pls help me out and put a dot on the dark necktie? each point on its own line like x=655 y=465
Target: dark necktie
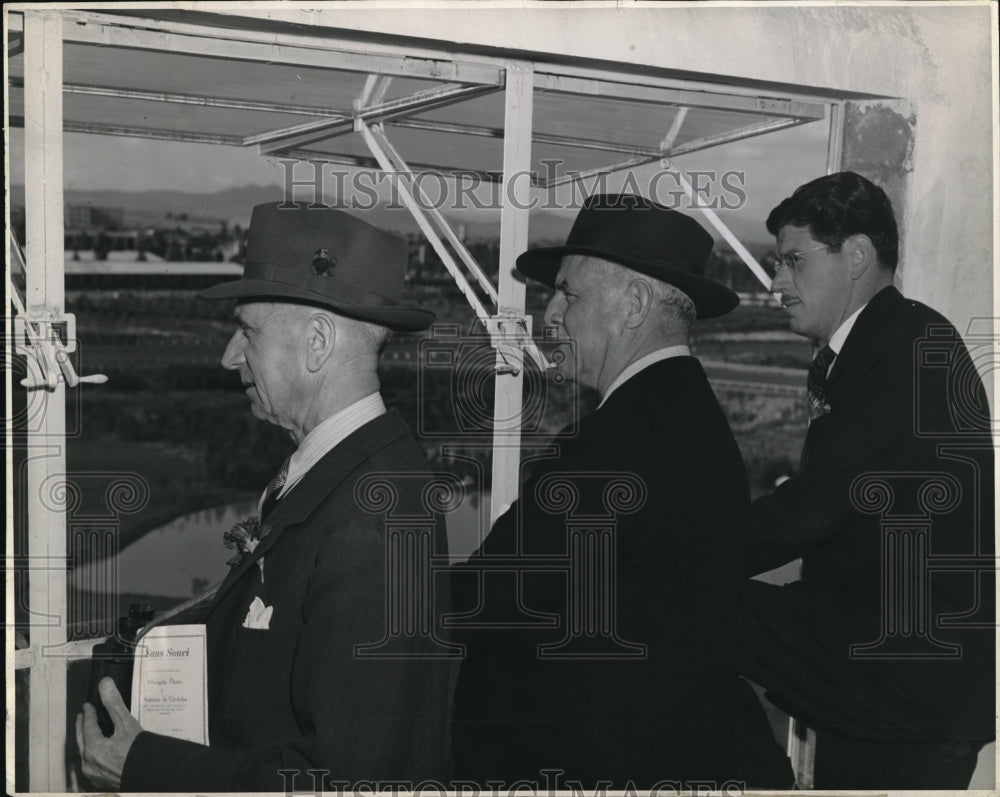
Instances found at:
x=270 y=495
x=816 y=382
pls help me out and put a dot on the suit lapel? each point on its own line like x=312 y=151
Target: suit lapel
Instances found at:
x=870 y=320
x=319 y=483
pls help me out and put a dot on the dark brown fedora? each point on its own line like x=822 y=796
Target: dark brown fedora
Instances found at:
x=328 y=258
x=645 y=237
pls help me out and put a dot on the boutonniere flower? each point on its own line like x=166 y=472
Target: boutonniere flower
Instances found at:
x=818 y=411
x=817 y=405
x=244 y=538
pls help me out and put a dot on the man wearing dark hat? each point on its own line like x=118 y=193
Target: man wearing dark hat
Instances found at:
x=886 y=646
x=290 y=691
x=599 y=613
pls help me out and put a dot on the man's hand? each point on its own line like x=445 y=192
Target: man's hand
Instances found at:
x=104 y=756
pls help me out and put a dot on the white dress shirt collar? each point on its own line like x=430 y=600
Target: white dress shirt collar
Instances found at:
x=330 y=433
x=837 y=338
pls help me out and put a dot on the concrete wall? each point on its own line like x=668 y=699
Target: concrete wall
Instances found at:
x=935 y=58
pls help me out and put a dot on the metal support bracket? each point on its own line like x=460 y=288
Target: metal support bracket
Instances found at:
x=49 y=341
x=510 y=335
x=49 y=338
x=742 y=252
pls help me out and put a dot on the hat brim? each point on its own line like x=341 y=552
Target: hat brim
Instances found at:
x=395 y=317
x=711 y=299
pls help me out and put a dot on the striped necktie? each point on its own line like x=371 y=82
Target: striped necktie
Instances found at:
x=816 y=382
x=270 y=495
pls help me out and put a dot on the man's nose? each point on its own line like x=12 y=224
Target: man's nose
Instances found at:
x=233 y=355
x=553 y=311
x=781 y=281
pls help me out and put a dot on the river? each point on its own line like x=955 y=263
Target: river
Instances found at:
x=184 y=556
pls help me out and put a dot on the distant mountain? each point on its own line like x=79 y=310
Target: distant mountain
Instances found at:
x=231 y=204
x=234 y=205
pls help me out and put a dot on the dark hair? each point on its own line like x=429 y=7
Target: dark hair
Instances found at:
x=837 y=206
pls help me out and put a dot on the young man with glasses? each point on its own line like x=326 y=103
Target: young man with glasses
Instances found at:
x=886 y=645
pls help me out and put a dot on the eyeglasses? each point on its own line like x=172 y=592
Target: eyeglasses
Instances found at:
x=792 y=260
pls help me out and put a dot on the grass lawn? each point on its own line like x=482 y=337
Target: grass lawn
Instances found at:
x=176 y=479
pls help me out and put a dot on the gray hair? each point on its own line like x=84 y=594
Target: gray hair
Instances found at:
x=673 y=306
x=364 y=335
x=674 y=302
x=371 y=337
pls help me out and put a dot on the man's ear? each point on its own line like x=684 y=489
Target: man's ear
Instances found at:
x=638 y=301
x=321 y=335
x=861 y=255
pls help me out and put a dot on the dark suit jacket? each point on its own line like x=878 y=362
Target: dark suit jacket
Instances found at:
x=676 y=713
x=296 y=696
x=906 y=403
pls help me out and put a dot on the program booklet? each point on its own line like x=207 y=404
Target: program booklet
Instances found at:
x=170 y=682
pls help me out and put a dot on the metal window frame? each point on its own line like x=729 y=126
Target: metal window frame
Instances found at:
x=42 y=33
x=46 y=452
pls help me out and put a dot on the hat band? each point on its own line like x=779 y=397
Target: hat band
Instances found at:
x=329 y=287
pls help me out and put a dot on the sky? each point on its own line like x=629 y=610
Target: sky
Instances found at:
x=762 y=171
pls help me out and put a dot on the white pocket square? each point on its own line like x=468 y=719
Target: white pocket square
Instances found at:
x=258 y=615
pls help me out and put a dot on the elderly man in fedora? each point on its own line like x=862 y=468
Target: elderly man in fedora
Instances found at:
x=288 y=693
x=631 y=684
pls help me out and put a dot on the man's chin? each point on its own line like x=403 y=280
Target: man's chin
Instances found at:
x=799 y=328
